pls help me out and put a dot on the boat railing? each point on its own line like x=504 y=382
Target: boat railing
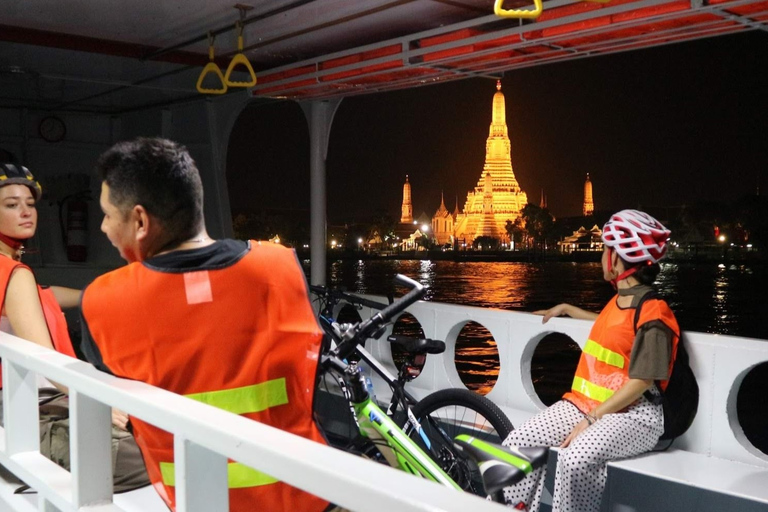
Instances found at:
x=205 y=438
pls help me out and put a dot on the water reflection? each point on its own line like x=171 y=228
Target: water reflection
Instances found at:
x=477 y=358
x=705 y=297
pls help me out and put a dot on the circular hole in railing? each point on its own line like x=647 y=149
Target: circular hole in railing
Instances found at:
x=552 y=366
x=349 y=315
x=407 y=325
x=751 y=415
x=477 y=358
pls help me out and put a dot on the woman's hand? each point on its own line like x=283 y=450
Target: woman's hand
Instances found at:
x=578 y=429
x=559 y=310
x=119 y=419
x=565 y=310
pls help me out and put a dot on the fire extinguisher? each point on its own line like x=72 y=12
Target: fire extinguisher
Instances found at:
x=75 y=229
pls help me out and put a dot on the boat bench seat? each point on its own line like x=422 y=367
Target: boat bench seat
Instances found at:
x=683 y=481
x=140 y=500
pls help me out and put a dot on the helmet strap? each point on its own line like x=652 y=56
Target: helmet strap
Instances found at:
x=616 y=280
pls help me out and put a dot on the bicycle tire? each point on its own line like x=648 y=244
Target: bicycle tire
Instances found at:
x=447 y=413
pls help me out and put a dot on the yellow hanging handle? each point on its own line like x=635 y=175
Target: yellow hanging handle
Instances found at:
x=518 y=13
x=211 y=68
x=240 y=59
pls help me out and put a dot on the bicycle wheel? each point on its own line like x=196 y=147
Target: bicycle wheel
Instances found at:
x=447 y=413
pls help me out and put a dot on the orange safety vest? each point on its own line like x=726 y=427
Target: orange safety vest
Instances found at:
x=604 y=364
x=54 y=316
x=242 y=338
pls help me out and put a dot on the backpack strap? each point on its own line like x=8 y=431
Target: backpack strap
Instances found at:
x=650 y=295
x=654 y=399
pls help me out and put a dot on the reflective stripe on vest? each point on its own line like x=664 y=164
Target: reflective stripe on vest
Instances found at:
x=591 y=390
x=603 y=354
x=247 y=399
x=244 y=400
x=238 y=475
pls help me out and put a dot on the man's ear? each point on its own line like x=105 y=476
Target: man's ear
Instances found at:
x=141 y=221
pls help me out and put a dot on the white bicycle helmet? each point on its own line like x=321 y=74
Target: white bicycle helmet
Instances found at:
x=636 y=236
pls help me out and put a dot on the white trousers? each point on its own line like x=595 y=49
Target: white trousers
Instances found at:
x=581 y=467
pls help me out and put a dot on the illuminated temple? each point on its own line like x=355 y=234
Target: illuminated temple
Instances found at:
x=497 y=197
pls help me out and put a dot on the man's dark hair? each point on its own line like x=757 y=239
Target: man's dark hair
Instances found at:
x=159 y=175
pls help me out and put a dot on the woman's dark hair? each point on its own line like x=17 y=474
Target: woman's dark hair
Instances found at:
x=646 y=273
x=159 y=175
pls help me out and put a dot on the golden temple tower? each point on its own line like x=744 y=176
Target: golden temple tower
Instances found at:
x=497 y=197
x=589 y=206
x=407 y=209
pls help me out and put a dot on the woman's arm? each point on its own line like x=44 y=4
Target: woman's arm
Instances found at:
x=22 y=306
x=565 y=310
x=66 y=297
x=25 y=313
x=624 y=396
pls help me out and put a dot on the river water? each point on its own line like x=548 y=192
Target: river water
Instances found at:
x=707 y=297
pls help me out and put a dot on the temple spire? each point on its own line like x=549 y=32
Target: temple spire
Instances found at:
x=589 y=205
x=407 y=209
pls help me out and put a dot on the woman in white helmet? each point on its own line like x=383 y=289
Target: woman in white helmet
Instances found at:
x=605 y=416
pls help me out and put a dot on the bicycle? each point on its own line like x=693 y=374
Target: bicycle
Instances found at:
x=430 y=424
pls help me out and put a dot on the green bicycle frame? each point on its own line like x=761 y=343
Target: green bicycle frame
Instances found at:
x=397 y=448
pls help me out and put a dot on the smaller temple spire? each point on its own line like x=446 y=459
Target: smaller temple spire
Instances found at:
x=589 y=205
x=543 y=202
x=407 y=208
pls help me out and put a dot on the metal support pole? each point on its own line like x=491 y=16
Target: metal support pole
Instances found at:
x=320 y=116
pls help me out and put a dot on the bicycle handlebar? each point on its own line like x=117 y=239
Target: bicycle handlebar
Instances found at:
x=347 y=297
x=360 y=332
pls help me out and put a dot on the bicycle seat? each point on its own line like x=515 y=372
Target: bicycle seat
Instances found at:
x=416 y=345
x=501 y=466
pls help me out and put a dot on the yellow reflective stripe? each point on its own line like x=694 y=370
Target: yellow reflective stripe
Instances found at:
x=603 y=354
x=238 y=475
x=247 y=399
x=591 y=390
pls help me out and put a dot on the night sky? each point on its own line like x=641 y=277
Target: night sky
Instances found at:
x=663 y=126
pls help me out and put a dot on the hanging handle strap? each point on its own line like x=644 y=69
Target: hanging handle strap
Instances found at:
x=519 y=13
x=240 y=60
x=211 y=69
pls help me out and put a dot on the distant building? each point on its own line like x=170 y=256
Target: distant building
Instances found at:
x=589 y=206
x=496 y=199
x=582 y=240
x=443 y=224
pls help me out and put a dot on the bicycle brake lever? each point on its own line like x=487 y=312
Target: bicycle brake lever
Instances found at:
x=379 y=332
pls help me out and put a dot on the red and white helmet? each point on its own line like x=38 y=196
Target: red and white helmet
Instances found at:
x=636 y=236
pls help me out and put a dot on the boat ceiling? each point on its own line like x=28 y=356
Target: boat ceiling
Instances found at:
x=115 y=56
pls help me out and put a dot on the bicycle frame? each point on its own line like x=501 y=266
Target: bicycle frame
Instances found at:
x=399 y=450
x=395 y=446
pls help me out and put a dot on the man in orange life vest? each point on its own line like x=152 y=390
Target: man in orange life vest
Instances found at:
x=200 y=317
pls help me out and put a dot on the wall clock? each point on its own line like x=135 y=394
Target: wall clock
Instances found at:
x=52 y=129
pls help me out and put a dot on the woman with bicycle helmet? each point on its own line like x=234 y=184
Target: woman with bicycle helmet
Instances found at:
x=606 y=416
x=22 y=313
x=33 y=313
